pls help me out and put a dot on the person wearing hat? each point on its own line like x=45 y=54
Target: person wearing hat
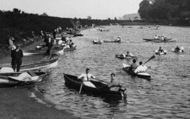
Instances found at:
x=17 y=56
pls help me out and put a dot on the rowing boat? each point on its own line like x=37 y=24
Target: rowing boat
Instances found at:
x=144 y=75
x=178 y=51
x=67 y=49
x=123 y=56
x=21 y=78
x=159 y=40
x=97 y=42
x=33 y=66
x=157 y=52
x=93 y=87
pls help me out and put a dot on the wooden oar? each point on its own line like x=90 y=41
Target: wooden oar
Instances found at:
x=150 y=59
x=80 y=87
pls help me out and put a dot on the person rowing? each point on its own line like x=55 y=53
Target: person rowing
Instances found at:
x=86 y=76
x=177 y=49
x=160 y=49
x=133 y=65
x=128 y=54
x=118 y=39
x=140 y=68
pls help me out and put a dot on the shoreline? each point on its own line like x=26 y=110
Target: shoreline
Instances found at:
x=17 y=102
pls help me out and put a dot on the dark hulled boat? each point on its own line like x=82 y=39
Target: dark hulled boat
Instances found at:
x=95 y=88
x=113 y=41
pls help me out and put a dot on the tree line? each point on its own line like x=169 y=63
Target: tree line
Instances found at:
x=174 y=12
x=24 y=25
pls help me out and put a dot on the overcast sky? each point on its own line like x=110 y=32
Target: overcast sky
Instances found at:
x=101 y=9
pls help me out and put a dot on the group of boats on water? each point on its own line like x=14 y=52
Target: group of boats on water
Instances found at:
x=32 y=73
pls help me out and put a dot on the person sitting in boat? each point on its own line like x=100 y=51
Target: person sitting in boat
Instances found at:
x=177 y=49
x=71 y=44
x=113 y=82
x=156 y=37
x=133 y=65
x=129 y=54
x=140 y=68
x=118 y=39
x=86 y=76
x=160 y=49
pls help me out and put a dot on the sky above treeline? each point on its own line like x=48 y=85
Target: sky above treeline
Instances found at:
x=97 y=9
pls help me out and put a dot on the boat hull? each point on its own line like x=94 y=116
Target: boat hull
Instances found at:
x=7 y=80
x=140 y=75
x=70 y=49
x=100 y=89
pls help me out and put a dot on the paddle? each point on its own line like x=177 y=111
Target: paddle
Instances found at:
x=150 y=59
x=80 y=87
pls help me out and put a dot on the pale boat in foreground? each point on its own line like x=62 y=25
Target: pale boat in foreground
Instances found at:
x=144 y=75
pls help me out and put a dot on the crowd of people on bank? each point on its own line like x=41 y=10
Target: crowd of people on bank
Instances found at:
x=48 y=38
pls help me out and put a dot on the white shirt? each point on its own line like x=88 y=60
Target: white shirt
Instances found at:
x=86 y=77
x=140 y=68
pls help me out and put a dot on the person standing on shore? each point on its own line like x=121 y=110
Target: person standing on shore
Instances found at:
x=12 y=48
x=49 y=45
x=17 y=56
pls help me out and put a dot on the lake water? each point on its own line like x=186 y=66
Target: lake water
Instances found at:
x=167 y=95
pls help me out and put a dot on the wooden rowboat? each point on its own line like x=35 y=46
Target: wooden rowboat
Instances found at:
x=95 y=88
x=166 y=40
x=97 y=42
x=123 y=56
x=113 y=41
x=143 y=75
x=34 y=66
x=21 y=78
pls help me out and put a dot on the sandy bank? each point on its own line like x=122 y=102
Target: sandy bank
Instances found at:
x=16 y=104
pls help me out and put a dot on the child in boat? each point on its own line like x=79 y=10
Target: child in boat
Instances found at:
x=140 y=68
x=86 y=76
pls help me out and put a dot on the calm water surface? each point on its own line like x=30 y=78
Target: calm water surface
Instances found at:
x=166 y=96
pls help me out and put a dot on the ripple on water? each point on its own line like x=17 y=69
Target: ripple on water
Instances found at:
x=166 y=96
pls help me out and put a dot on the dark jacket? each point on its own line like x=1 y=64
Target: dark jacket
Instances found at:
x=17 y=55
